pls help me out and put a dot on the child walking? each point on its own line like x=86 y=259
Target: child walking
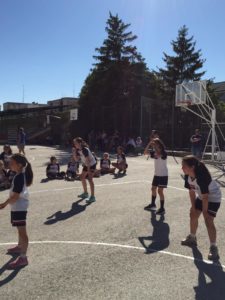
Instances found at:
x=89 y=166
x=205 y=196
x=160 y=179
x=18 y=200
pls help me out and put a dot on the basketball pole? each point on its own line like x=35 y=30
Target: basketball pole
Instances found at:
x=213 y=124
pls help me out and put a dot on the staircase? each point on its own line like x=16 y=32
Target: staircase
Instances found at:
x=12 y=135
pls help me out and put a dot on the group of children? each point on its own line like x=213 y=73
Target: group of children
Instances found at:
x=72 y=172
x=205 y=195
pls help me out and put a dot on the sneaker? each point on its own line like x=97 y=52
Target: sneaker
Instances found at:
x=213 y=253
x=189 y=241
x=91 y=199
x=14 y=250
x=160 y=211
x=83 y=195
x=18 y=263
x=150 y=207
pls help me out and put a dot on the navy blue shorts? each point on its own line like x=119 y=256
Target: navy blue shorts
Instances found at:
x=92 y=168
x=212 y=207
x=18 y=218
x=160 y=181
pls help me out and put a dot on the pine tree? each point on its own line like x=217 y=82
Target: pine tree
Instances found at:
x=111 y=95
x=116 y=47
x=187 y=62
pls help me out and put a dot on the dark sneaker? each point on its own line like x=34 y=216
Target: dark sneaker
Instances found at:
x=150 y=207
x=189 y=241
x=213 y=253
x=91 y=199
x=83 y=195
x=160 y=211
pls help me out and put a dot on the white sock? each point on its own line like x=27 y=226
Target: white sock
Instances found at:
x=192 y=235
x=213 y=244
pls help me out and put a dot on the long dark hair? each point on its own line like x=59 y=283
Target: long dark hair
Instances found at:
x=199 y=167
x=81 y=142
x=21 y=159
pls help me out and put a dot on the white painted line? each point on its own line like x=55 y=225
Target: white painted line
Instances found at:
x=119 y=246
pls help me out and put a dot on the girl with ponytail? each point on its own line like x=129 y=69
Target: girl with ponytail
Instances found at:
x=18 y=200
x=205 y=196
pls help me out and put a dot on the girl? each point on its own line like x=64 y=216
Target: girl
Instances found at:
x=160 y=178
x=105 y=164
x=53 y=169
x=4 y=182
x=121 y=163
x=72 y=169
x=205 y=196
x=18 y=200
x=89 y=166
x=6 y=155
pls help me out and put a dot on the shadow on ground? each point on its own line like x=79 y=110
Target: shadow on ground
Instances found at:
x=211 y=279
x=76 y=208
x=159 y=239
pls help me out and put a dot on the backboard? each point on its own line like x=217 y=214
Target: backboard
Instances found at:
x=191 y=93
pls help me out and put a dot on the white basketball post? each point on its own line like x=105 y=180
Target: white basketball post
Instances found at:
x=190 y=94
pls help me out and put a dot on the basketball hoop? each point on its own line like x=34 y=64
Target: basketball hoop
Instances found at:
x=183 y=104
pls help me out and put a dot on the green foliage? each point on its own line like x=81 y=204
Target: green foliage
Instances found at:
x=110 y=97
x=185 y=65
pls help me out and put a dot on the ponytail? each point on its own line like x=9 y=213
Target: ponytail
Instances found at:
x=20 y=159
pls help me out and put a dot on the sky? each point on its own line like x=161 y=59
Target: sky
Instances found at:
x=47 y=46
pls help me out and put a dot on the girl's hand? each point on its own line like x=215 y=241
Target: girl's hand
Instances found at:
x=3 y=205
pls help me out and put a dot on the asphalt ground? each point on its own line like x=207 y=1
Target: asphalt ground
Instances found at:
x=113 y=248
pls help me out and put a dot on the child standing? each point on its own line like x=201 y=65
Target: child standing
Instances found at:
x=89 y=166
x=160 y=179
x=18 y=200
x=121 y=163
x=205 y=196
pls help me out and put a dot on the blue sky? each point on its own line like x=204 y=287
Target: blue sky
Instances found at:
x=47 y=45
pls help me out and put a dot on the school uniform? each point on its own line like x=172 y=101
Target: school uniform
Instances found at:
x=19 y=208
x=160 y=178
x=53 y=171
x=105 y=163
x=72 y=169
x=85 y=153
x=205 y=185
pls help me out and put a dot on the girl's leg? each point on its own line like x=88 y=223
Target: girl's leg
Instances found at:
x=161 y=197
x=191 y=238
x=83 y=180
x=91 y=182
x=23 y=239
x=209 y=222
x=194 y=216
x=152 y=205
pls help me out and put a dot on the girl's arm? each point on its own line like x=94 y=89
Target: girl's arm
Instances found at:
x=11 y=200
x=147 y=147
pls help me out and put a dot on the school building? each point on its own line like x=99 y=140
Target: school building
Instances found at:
x=43 y=123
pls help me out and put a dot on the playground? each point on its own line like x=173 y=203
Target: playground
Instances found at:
x=113 y=248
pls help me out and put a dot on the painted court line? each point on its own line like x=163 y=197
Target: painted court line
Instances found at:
x=119 y=246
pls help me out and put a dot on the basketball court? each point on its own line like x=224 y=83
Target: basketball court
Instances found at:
x=113 y=248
